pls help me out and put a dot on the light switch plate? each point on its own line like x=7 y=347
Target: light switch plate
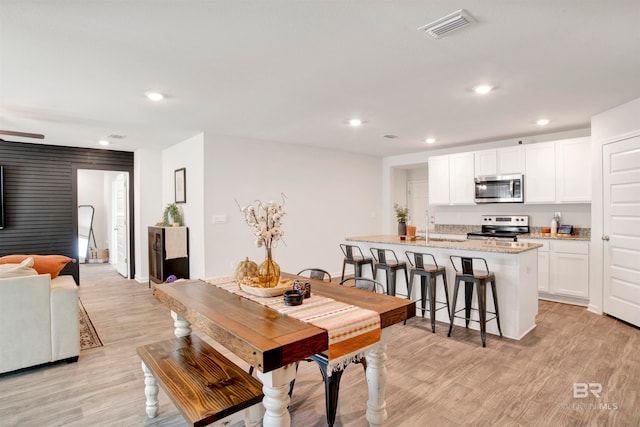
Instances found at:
x=219 y=219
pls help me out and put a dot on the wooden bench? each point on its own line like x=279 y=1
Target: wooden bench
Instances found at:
x=203 y=384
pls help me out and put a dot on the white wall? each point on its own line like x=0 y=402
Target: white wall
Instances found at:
x=399 y=179
x=188 y=154
x=147 y=204
x=331 y=195
x=617 y=123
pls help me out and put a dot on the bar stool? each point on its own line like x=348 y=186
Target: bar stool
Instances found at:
x=470 y=277
x=383 y=262
x=428 y=274
x=353 y=255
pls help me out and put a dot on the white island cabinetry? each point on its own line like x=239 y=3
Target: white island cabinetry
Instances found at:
x=514 y=263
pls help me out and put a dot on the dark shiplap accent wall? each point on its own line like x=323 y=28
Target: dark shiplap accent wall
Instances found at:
x=41 y=215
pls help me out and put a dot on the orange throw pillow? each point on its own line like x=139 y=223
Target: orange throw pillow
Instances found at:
x=43 y=264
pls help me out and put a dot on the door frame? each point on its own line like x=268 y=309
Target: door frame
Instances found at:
x=127 y=221
x=596 y=248
x=620 y=144
x=74 y=196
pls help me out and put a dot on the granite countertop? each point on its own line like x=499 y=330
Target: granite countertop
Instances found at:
x=549 y=236
x=467 y=245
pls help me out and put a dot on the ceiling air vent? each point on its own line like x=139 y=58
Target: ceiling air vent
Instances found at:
x=445 y=25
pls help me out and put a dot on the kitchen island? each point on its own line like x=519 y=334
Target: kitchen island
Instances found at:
x=515 y=265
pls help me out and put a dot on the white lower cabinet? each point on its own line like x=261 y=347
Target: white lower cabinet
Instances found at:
x=563 y=270
x=569 y=268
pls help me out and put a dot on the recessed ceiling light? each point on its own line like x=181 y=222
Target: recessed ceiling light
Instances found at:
x=389 y=136
x=155 y=96
x=482 y=89
x=430 y=140
x=103 y=142
x=543 y=122
x=355 y=122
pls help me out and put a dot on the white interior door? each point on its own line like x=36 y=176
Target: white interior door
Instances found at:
x=121 y=222
x=621 y=229
x=418 y=203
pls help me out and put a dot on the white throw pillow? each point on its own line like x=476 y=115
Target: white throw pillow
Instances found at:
x=18 y=270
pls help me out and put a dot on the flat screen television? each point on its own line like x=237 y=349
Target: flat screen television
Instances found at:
x=1 y=197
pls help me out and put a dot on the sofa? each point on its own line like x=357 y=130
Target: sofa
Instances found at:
x=38 y=317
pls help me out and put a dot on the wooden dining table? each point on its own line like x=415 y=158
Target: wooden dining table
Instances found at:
x=272 y=342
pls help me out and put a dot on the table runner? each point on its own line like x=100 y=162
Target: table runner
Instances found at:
x=351 y=329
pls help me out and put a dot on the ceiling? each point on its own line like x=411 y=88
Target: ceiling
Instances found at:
x=296 y=71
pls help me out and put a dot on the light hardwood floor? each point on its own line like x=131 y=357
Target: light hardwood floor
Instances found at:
x=432 y=380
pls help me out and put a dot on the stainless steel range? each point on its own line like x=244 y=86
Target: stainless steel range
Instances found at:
x=501 y=227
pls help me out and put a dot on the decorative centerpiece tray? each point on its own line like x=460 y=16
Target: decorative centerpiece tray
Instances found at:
x=283 y=285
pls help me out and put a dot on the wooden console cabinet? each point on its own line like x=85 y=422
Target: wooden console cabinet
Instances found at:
x=160 y=268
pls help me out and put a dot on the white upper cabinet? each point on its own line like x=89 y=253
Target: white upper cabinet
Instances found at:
x=439 y=180
x=573 y=171
x=461 y=174
x=558 y=172
x=554 y=172
x=501 y=161
x=540 y=173
x=451 y=179
x=486 y=162
x=510 y=160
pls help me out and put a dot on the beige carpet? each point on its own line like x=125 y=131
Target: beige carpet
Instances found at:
x=88 y=336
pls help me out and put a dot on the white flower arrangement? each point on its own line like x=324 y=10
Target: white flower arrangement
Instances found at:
x=266 y=221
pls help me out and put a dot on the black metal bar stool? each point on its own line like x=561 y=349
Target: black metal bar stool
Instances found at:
x=428 y=274
x=470 y=277
x=387 y=260
x=353 y=255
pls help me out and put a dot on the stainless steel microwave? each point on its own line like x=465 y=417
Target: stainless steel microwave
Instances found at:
x=500 y=189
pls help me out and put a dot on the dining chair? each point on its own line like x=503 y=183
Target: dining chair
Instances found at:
x=363 y=283
x=332 y=382
x=312 y=273
x=315 y=273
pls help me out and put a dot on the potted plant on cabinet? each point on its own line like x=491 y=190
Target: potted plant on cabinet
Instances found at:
x=172 y=216
x=402 y=213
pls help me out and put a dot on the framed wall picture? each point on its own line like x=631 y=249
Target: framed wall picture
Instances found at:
x=180 y=179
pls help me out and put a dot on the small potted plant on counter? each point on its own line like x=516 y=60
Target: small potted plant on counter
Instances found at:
x=402 y=213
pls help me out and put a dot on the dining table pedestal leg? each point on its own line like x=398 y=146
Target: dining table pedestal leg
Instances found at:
x=377 y=380
x=275 y=386
x=182 y=327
